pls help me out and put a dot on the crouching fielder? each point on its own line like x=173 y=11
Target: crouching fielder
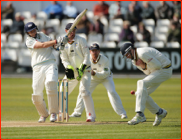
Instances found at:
x=45 y=71
x=158 y=68
x=76 y=60
x=101 y=74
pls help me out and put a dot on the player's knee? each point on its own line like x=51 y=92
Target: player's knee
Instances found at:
x=51 y=87
x=85 y=93
x=141 y=87
x=141 y=84
x=36 y=90
x=144 y=82
x=37 y=99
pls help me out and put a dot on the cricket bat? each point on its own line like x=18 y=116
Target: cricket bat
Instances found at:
x=76 y=21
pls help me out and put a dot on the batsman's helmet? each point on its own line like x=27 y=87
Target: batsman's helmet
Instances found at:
x=125 y=48
x=30 y=26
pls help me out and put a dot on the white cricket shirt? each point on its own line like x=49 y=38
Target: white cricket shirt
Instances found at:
x=76 y=53
x=39 y=55
x=101 y=67
x=154 y=59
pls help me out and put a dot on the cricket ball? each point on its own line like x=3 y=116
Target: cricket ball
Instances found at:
x=132 y=92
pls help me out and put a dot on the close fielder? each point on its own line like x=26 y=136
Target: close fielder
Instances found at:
x=101 y=73
x=45 y=71
x=158 y=68
x=76 y=60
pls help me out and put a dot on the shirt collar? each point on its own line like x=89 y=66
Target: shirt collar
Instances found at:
x=72 y=40
x=97 y=60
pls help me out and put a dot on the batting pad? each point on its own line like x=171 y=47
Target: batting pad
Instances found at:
x=53 y=103
x=40 y=105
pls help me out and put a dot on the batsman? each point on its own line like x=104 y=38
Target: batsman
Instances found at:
x=45 y=71
x=75 y=57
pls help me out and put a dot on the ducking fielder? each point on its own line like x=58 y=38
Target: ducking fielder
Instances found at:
x=76 y=60
x=158 y=68
x=101 y=73
x=45 y=71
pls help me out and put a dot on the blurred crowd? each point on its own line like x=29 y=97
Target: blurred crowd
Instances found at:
x=133 y=28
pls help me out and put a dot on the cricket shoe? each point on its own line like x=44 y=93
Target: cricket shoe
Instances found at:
x=90 y=119
x=158 y=118
x=124 y=116
x=53 y=117
x=42 y=119
x=75 y=114
x=137 y=119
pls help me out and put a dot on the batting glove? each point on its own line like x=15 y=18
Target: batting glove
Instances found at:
x=61 y=41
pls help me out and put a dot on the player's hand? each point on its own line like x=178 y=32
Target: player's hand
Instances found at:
x=69 y=71
x=81 y=71
x=93 y=73
x=80 y=74
x=61 y=41
x=140 y=63
x=56 y=47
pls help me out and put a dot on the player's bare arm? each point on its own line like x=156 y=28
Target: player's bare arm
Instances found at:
x=45 y=44
x=142 y=64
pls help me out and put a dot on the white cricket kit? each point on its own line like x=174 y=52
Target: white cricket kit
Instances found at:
x=45 y=72
x=103 y=75
x=158 y=70
x=76 y=54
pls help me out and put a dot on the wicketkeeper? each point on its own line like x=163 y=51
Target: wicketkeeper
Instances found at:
x=76 y=60
x=158 y=68
x=101 y=73
x=45 y=71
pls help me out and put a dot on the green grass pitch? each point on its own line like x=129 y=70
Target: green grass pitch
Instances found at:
x=17 y=108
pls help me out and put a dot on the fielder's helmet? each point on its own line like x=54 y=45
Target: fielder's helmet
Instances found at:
x=94 y=46
x=126 y=47
x=30 y=26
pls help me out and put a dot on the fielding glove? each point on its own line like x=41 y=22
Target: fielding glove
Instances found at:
x=81 y=71
x=70 y=72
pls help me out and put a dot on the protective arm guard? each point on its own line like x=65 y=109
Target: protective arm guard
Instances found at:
x=69 y=71
x=81 y=71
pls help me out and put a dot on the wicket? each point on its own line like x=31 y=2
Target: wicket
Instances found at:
x=64 y=99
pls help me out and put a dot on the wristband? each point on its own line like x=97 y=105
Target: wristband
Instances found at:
x=55 y=41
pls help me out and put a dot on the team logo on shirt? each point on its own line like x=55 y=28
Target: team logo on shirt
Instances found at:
x=76 y=44
x=30 y=43
x=105 y=69
x=99 y=65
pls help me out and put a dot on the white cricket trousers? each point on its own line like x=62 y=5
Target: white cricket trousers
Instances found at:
x=112 y=94
x=147 y=86
x=84 y=92
x=45 y=74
